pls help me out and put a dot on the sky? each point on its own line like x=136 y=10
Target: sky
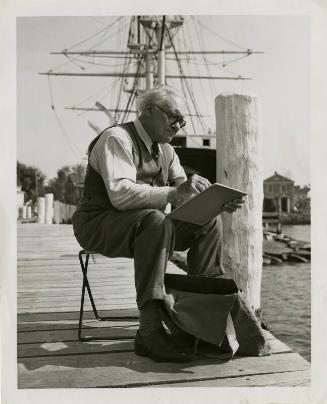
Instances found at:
x=280 y=79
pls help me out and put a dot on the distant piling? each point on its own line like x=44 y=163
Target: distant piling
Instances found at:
x=239 y=165
x=40 y=209
x=48 y=208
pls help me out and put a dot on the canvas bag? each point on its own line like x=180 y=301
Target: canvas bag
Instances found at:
x=215 y=311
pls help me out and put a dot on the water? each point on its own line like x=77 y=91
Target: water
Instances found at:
x=298 y=232
x=286 y=301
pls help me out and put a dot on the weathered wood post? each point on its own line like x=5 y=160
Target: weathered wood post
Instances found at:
x=40 y=209
x=24 y=212
x=56 y=212
x=48 y=208
x=239 y=165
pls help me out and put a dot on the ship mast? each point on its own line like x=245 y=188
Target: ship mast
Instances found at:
x=150 y=42
x=162 y=53
x=159 y=27
x=154 y=28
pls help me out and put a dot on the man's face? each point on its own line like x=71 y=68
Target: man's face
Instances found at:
x=165 y=121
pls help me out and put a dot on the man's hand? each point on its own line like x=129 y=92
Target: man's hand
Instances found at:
x=232 y=206
x=192 y=186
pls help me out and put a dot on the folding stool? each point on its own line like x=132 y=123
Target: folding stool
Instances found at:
x=84 y=266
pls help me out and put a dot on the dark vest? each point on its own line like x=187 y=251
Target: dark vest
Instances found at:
x=95 y=196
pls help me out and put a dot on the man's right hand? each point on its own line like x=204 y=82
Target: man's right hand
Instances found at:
x=192 y=186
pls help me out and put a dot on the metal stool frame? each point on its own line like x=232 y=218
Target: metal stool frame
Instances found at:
x=84 y=267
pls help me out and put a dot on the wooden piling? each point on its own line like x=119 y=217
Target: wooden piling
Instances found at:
x=48 y=208
x=239 y=165
x=41 y=209
x=62 y=212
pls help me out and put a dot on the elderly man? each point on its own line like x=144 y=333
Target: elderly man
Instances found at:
x=132 y=173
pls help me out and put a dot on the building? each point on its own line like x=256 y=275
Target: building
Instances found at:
x=278 y=194
x=302 y=202
x=282 y=195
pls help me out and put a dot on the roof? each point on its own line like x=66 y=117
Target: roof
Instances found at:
x=278 y=178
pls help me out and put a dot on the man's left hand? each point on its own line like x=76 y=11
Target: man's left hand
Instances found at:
x=232 y=206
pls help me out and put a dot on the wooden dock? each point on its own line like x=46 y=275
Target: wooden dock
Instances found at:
x=50 y=356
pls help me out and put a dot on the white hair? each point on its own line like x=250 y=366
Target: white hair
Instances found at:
x=163 y=96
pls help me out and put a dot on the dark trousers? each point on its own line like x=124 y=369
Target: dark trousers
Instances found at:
x=149 y=237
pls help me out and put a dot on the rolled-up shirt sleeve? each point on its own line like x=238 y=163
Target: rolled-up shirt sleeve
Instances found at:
x=176 y=173
x=112 y=158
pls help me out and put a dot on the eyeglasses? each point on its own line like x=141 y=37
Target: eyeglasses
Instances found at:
x=173 y=119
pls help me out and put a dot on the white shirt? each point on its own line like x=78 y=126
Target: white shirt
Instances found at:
x=112 y=158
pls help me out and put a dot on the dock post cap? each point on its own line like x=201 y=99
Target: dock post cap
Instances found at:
x=238 y=93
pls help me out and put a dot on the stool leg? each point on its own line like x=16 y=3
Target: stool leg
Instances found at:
x=83 y=295
x=84 y=267
x=86 y=283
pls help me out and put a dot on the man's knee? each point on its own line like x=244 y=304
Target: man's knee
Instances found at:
x=156 y=219
x=215 y=226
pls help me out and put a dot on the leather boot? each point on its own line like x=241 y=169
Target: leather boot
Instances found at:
x=159 y=347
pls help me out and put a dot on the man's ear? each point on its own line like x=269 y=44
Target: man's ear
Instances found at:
x=148 y=110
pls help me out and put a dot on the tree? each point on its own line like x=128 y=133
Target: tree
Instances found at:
x=66 y=187
x=32 y=181
x=74 y=184
x=59 y=183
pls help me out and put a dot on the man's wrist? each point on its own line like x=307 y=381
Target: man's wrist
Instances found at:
x=172 y=195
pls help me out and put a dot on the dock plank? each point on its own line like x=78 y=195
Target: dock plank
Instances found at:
x=71 y=324
x=72 y=347
x=65 y=335
x=299 y=378
x=24 y=318
x=125 y=369
x=52 y=309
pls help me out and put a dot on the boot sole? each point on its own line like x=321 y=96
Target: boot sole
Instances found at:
x=140 y=350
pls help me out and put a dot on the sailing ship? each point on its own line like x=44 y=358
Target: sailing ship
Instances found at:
x=158 y=51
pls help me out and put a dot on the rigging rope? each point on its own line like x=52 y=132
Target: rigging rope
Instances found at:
x=71 y=145
x=108 y=37
x=72 y=59
x=221 y=37
x=51 y=93
x=103 y=64
x=183 y=89
x=185 y=81
x=121 y=89
x=201 y=85
x=127 y=64
x=94 y=35
x=213 y=91
x=106 y=89
x=132 y=95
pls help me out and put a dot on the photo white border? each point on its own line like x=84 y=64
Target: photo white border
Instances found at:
x=9 y=10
